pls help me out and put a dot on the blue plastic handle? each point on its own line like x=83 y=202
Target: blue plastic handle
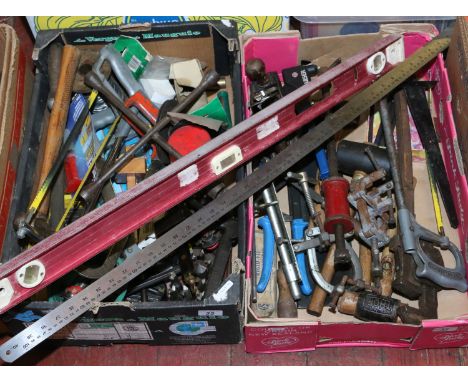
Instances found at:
x=268 y=253
x=321 y=158
x=297 y=229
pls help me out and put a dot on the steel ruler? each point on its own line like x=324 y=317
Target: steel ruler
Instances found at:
x=78 y=242
x=225 y=202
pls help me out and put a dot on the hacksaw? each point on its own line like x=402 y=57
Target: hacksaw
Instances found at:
x=225 y=202
x=88 y=236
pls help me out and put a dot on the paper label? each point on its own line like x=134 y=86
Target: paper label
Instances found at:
x=395 y=52
x=210 y=313
x=133 y=331
x=103 y=331
x=222 y=293
x=189 y=175
x=265 y=129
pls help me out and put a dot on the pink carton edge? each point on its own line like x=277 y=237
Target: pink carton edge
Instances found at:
x=432 y=333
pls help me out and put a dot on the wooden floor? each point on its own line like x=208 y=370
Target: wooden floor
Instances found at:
x=47 y=354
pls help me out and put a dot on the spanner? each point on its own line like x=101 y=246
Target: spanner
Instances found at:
x=411 y=232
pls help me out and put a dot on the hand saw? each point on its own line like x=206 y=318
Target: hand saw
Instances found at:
x=225 y=202
x=75 y=244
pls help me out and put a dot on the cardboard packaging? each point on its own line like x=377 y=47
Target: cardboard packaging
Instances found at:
x=216 y=319
x=15 y=90
x=271 y=334
x=457 y=64
x=245 y=24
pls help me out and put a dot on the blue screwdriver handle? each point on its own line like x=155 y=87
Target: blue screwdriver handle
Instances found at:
x=321 y=158
x=297 y=229
x=268 y=253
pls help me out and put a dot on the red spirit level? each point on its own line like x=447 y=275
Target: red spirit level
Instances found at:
x=62 y=252
x=225 y=202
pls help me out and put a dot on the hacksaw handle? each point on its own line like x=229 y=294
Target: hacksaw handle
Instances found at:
x=59 y=113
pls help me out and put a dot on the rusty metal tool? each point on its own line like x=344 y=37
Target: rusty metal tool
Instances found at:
x=200 y=220
x=92 y=79
x=222 y=256
x=417 y=102
x=412 y=233
x=405 y=281
x=209 y=163
x=374 y=212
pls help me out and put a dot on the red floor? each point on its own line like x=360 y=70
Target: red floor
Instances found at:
x=235 y=355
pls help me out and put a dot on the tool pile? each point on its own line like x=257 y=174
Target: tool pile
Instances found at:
x=353 y=194
x=143 y=113
x=136 y=198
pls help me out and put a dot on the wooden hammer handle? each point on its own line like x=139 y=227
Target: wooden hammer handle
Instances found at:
x=59 y=113
x=365 y=258
x=319 y=295
x=286 y=305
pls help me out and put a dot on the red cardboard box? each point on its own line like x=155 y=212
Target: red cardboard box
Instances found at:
x=269 y=335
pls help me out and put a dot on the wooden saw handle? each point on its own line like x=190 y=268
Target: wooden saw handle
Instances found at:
x=58 y=115
x=319 y=295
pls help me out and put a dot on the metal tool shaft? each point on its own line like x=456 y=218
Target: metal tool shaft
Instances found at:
x=93 y=80
x=283 y=241
x=390 y=143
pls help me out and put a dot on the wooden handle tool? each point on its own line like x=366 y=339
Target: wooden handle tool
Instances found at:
x=319 y=295
x=286 y=305
x=59 y=113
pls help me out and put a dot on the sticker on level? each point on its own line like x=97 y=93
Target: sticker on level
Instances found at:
x=265 y=129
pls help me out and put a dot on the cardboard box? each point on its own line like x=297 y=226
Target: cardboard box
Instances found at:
x=212 y=320
x=269 y=335
x=322 y=26
x=245 y=24
x=457 y=64
x=15 y=90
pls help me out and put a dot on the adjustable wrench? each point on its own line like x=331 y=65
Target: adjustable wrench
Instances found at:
x=411 y=232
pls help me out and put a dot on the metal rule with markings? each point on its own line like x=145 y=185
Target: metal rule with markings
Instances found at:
x=225 y=202
x=97 y=230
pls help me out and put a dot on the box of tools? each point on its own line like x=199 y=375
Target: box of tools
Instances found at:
x=15 y=92
x=328 y=262
x=194 y=295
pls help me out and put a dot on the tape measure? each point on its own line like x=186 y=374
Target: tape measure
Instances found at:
x=224 y=203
